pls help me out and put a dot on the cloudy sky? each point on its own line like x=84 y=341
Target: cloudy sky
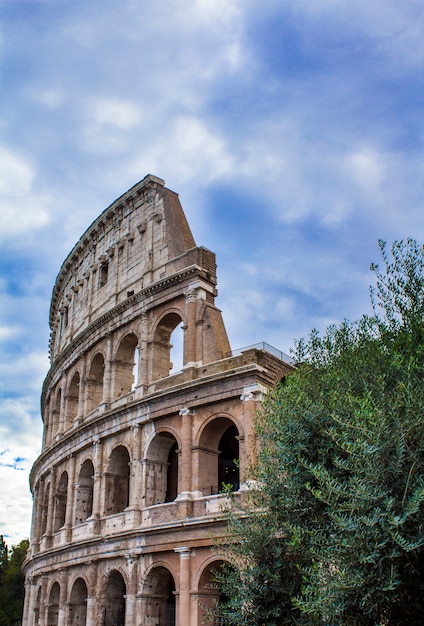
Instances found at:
x=291 y=129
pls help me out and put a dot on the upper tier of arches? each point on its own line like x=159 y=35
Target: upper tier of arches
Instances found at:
x=130 y=358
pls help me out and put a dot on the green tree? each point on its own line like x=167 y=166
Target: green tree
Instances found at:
x=12 y=584
x=4 y=554
x=333 y=529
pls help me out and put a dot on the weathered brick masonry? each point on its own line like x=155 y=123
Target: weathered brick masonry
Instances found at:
x=126 y=489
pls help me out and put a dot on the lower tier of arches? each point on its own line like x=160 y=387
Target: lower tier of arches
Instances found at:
x=172 y=588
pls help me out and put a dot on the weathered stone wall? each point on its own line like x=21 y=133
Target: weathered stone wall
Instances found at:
x=126 y=489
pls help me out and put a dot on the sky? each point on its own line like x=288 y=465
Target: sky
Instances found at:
x=292 y=130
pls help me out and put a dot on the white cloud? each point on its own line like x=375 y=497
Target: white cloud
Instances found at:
x=25 y=372
x=366 y=167
x=21 y=210
x=50 y=97
x=17 y=455
x=20 y=437
x=16 y=174
x=190 y=149
x=113 y=112
x=9 y=332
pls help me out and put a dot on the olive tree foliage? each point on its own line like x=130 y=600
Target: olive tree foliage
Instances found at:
x=332 y=529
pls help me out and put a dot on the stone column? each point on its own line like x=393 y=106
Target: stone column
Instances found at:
x=70 y=498
x=136 y=470
x=42 y=619
x=31 y=589
x=50 y=506
x=62 y=411
x=199 y=339
x=190 y=327
x=143 y=354
x=81 y=398
x=185 y=486
x=130 y=598
x=91 y=612
x=184 y=605
x=142 y=603
x=252 y=394
x=107 y=376
x=92 y=595
x=35 y=520
x=47 y=424
x=92 y=281
x=63 y=600
x=98 y=478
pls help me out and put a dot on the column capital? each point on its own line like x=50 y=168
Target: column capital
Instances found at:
x=186 y=411
x=183 y=551
x=253 y=392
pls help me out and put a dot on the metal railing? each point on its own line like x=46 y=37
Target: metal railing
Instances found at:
x=267 y=348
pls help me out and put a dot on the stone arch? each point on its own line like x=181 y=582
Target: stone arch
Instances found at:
x=95 y=381
x=84 y=492
x=161 y=469
x=118 y=481
x=158 y=593
x=162 y=346
x=218 y=456
x=112 y=600
x=78 y=603
x=72 y=399
x=60 y=502
x=53 y=605
x=124 y=364
x=209 y=593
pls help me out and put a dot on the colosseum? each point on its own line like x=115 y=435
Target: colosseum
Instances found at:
x=147 y=413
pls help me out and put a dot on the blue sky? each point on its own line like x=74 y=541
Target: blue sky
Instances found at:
x=292 y=130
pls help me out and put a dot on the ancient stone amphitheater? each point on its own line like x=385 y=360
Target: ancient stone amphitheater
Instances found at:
x=135 y=448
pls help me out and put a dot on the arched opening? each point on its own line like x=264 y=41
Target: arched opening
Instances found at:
x=103 y=273
x=53 y=606
x=78 y=603
x=95 y=382
x=45 y=510
x=113 y=601
x=159 y=594
x=124 y=366
x=72 y=399
x=172 y=474
x=60 y=502
x=161 y=357
x=210 y=595
x=177 y=349
x=118 y=481
x=161 y=470
x=218 y=457
x=228 y=460
x=135 y=368
x=84 y=492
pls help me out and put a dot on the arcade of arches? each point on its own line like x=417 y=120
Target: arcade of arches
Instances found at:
x=148 y=418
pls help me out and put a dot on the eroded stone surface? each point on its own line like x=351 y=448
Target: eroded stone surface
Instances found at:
x=126 y=489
